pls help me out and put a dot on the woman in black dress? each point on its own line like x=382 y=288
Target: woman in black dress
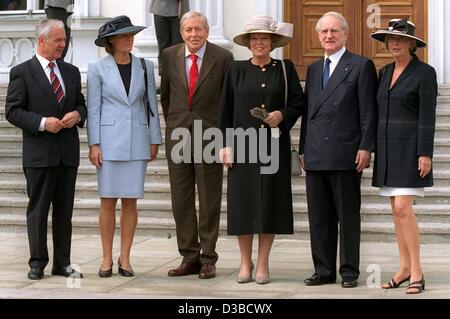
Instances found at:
x=403 y=161
x=260 y=203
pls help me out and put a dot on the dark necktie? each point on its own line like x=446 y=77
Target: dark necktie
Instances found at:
x=56 y=84
x=326 y=73
x=193 y=76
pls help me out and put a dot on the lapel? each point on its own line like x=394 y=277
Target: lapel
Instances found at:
x=180 y=63
x=340 y=73
x=209 y=60
x=386 y=77
x=114 y=77
x=67 y=81
x=41 y=79
x=406 y=73
x=137 y=77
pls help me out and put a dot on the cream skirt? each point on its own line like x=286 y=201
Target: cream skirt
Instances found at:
x=398 y=191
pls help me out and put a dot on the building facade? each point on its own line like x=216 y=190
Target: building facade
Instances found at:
x=226 y=19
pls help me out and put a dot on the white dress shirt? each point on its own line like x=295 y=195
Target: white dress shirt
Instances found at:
x=44 y=63
x=335 y=58
x=200 y=54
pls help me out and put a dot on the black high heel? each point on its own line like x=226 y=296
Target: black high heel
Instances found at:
x=105 y=273
x=419 y=285
x=393 y=284
x=124 y=272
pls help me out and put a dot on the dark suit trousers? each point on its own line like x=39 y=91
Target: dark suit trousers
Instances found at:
x=167 y=31
x=45 y=186
x=334 y=199
x=183 y=178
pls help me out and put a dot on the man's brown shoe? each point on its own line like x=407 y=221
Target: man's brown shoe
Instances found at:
x=185 y=269
x=207 y=271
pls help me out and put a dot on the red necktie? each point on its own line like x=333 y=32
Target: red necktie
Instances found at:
x=56 y=85
x=193 y=76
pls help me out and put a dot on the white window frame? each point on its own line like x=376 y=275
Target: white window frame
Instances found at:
x=32 y=7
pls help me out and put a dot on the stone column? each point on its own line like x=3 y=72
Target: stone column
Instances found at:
x=439 y=39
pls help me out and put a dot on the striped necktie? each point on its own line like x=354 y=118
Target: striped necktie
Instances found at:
x=56 y=84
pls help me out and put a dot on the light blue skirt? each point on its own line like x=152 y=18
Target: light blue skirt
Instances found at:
x=121 y=179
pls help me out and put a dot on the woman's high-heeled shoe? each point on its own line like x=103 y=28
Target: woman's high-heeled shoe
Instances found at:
x=246 y=279
x=393 y=284
x=105 y=273
x=124 y=272
x=262 y=280
x=416 y=287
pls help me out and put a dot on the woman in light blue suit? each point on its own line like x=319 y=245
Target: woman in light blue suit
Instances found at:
x=123 y=134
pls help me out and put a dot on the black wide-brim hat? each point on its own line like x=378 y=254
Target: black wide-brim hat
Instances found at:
x=115 y=26
x=399 y=27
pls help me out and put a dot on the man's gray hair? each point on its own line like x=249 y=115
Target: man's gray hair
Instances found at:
x=191 y=15
x=337 y=15
x=44 y=27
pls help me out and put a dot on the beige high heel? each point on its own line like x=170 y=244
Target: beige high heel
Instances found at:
x=246 y=279
x=262 y=280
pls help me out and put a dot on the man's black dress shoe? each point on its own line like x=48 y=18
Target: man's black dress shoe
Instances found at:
x=351 y=283
x=36 y=273
x=317 y=280
x=66 y=272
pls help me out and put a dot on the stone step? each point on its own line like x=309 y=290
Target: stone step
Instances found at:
x=161 y=191
x=444 y=89
x=157 y=172
x=443 y=99
x=163 y=187
x=166 y=226
x=442 y=130
x=16 y=204
x=441 y=144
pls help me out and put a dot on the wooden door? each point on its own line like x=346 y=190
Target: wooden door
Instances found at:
x=362 y=16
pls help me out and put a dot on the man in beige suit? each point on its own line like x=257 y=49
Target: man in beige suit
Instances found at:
x=191 y=84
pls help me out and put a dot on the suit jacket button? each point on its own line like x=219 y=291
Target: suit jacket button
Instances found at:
x=263 y=85
x=326 y=138
x=328 y=121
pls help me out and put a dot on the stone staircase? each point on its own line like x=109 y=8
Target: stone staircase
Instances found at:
x=155 y=215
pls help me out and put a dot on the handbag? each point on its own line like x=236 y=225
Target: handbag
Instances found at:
x=296 y=168
x=147 y=109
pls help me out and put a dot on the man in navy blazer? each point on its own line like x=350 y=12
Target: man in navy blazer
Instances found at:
x=44 y=99
x=337 y=138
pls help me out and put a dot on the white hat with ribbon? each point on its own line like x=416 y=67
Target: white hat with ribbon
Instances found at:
x=263 y=24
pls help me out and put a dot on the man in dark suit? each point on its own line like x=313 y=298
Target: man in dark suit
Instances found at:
x=337 y=138
x=44 y=99
x=191 y=84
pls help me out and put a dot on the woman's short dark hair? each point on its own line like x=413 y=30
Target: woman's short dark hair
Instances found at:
x=109 y=48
